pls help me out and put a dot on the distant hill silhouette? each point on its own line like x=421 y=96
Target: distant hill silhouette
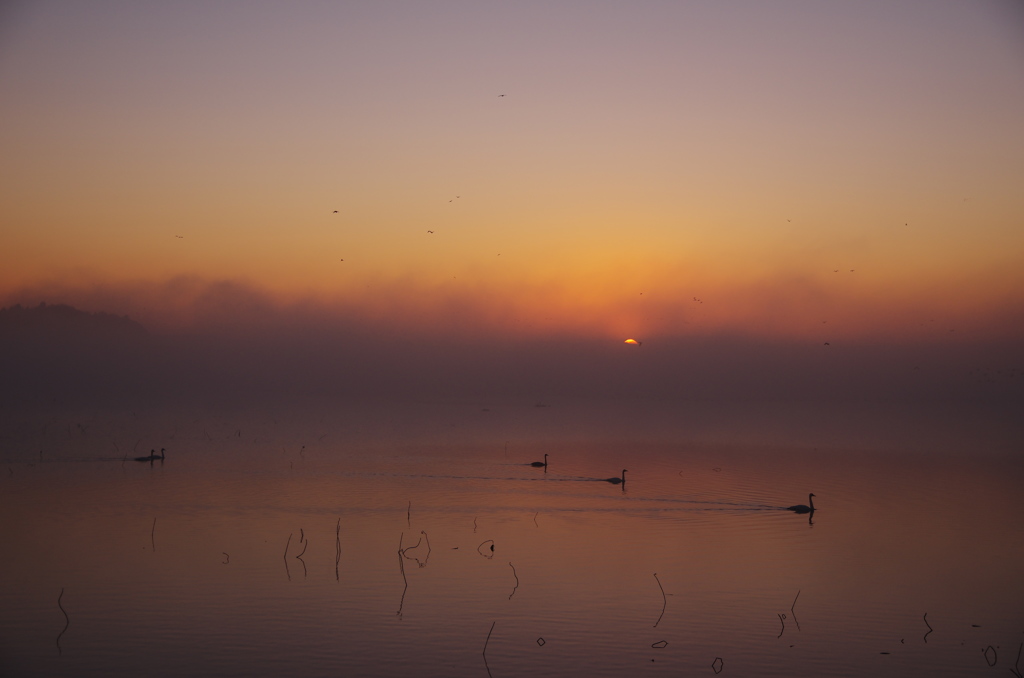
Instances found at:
x=58 y=351
x=62 y=323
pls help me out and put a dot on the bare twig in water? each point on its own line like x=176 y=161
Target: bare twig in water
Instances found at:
x=535 y=518
x=995 y=656
x=517 y=580
x=664 y=599
x=337 y=549
x=418 y=542
x=408 y=515
x=490 y=555
x=401 y=567
x=717 y=665
x=67 y=620
x=302 y=535
x=427 y=539
x=782 y=618
x=474 y=524
x=484 y=653
x=661 y=644
x=152 y=535
x=227 y=558
x=485 y=641
x=1016 y=665
x=305 y=545
x=930 y=629
x=285 y=556
x=794 y=611
x=410 y=548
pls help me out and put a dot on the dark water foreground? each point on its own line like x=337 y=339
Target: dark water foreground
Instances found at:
x=387 y=540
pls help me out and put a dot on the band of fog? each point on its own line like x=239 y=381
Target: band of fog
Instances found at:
x=53 y=349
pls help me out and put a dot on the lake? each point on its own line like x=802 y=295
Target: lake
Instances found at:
x=415 y=538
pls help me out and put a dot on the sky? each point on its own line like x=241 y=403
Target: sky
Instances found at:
x=787 y=171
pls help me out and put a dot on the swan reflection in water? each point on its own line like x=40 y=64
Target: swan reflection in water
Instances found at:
x=802 y=508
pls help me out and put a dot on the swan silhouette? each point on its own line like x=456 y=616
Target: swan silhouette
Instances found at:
x=153 y=456
x=617 y=481
x=544 y=463
x=800 y=508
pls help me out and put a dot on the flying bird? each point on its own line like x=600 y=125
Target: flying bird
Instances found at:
x=335 y=211
x=429 y=231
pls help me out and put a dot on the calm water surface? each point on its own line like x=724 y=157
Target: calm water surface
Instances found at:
x=416 y=540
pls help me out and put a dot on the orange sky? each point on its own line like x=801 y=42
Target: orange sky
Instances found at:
x=642 y=156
